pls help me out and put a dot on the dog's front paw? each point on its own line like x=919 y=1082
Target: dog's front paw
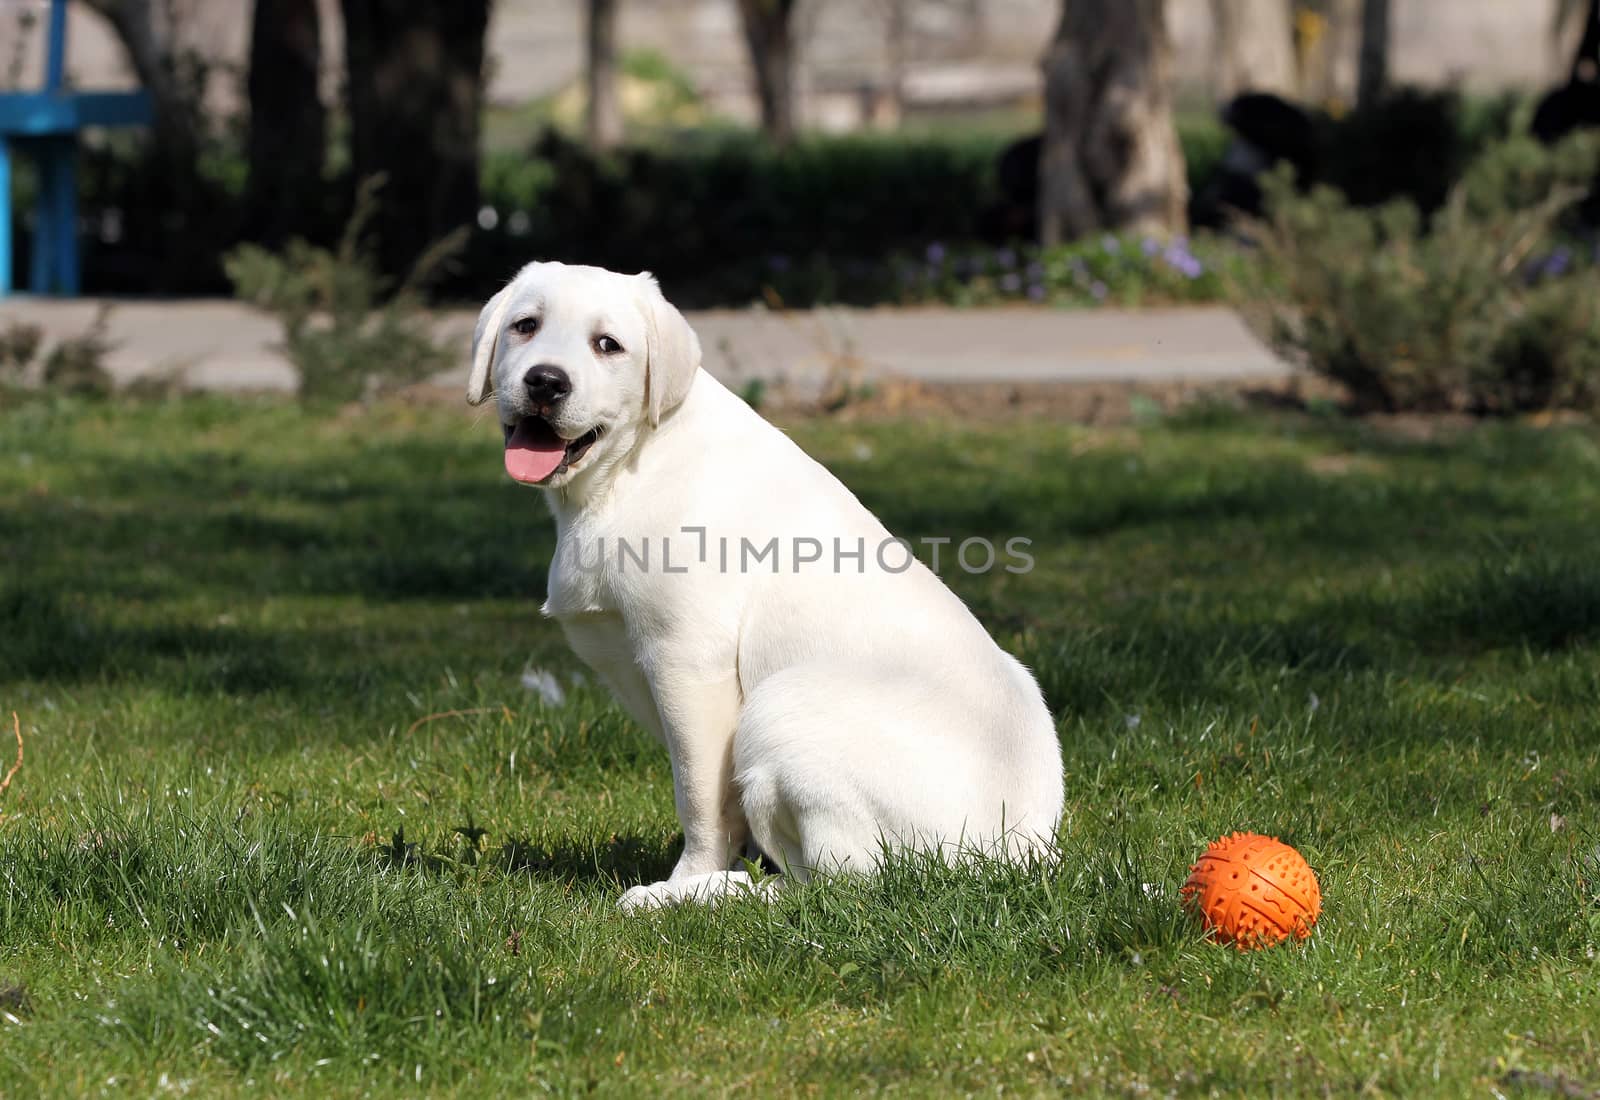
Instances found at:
x=653 y=896
x=705 y=889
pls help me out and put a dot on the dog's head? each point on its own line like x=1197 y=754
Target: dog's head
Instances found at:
x=580 y=362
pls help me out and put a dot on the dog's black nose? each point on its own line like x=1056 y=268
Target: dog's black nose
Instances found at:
x=546 y=385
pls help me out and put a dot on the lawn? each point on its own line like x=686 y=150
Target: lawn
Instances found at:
x=291 y=822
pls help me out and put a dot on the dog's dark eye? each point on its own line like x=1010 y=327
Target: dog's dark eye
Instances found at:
x=606 y=345
x=525 y=326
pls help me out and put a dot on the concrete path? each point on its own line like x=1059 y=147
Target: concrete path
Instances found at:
x=223 y=345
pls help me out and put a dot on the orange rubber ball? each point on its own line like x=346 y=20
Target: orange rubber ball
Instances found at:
x=1253 y=891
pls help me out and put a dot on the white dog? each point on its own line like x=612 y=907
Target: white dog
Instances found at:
x=819 y=692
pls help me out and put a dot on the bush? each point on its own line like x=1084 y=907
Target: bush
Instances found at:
x=719 y=214
x=348 y=336
x=726 y=218
x=715 y=217
x=75 y=365
x=1489 y=309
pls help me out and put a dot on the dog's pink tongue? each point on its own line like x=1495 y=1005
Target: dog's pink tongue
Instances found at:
x=534 y=451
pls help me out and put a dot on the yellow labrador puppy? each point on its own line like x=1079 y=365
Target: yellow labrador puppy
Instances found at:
x=820 y=692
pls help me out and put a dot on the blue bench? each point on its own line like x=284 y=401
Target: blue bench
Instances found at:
x=46 y=124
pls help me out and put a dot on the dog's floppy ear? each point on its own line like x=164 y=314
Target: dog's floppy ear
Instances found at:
x=673 y=354
x=485 y=339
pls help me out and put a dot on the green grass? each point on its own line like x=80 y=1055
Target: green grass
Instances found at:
x=251 y=851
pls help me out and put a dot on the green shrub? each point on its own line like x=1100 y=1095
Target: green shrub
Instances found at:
x=1204 y=140
x=675 y=86
x=74 y=365
x=348 y=336
x=718 y=213
x=867 y=218
x=19 y=346
x=1488 y=309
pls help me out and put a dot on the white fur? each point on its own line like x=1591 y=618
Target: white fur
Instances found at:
x=822 y=712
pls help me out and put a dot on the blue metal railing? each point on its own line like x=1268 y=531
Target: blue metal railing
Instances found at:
x=46 y=124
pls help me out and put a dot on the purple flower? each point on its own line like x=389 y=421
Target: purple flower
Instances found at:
x=1011 y=282
x=1035 y=271
x=1553 y=266
x=1099 y=290
x=936 y=253
x=1180 y=259
x=1190 y=267
x=1036 y=292
x=1150 y=246
x=1110 y=244
x=1006 y=258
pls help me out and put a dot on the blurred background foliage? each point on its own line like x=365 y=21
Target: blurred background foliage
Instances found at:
x=723 y=216
x=635 y=164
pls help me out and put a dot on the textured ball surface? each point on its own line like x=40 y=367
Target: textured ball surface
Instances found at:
x=1253 y=891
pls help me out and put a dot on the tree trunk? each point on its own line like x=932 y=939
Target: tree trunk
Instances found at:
x=977 y=27
x=604 y=120
x=148 y=42
x=898 y=33
x=1110 y=157
x=1328 y=37
x=882 y=102
x=288 y=123
x=769 y=34
x=415 y=87
x=1373 y=79
x=1254 y=48
x=1586 y=65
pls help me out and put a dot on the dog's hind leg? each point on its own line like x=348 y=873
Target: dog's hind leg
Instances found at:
x=834 y=764
x=807 y=781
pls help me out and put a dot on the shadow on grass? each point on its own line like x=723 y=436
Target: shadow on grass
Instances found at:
x=1293 y=508
x=130 y=579
x=620 y=860
x=1543 y=602
x=446 y=543
x=42 y=637
x=1540 y=603
x=617 y=860
x=157 y=568
x=1102 y=670
x=1378 y=486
